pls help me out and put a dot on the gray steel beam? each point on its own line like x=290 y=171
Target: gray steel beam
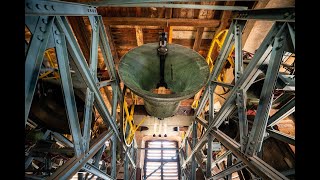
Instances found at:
x=285 y=14
x=243 y=121
x=89 y=94
x=229 y=165
x=210 y=139
x=98 y=156
x=62 y=139
x=34 y=58
x=67 y=87
x=283 y=112
x=220 y=158
x=202 y=121
x=73 y=165
x=292 y=35
x=114 y=157
x=126 y=167
x=94 y=170
x=227 y=172
x=85 y=72
x=257 y=165
x=226 y=85
x=281 y=136
x=289 y=172
x=163 y=5
x=260 y=121
x=238 y=61
x=58 y=8
x=194 y=141
x=249 y=75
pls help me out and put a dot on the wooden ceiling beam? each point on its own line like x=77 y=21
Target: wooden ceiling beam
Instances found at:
x=139 y=35
x=160 y=22
x=198 y=39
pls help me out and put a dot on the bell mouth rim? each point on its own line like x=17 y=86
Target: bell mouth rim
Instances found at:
x=177 y=96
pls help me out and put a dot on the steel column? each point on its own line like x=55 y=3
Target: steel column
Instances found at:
x=69 y=98
x=34 y=58
x=229 y=165
x=292 y=35
x=98 y=156
x=210 y=139
x=89 y=94
x=260 y=121
x=126 y=166
x=114 y=157
x=243 y=121
x=194 y=141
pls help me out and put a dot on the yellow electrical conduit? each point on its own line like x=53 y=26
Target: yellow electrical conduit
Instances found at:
x=129 y=120
x=218 y=39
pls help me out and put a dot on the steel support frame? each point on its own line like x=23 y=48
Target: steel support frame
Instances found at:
x=51 y=27
x=227 y=172
x=270 y=51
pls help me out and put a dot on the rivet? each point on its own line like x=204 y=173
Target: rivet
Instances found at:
x=56 y=32
x=45 y=21
x=52 y=8
x=37 y=6
x=252 y=142
x=46 y=7
x=28 y=6
x=42 y=29
x=58 y=41
x=40 y=37
x=286 y=14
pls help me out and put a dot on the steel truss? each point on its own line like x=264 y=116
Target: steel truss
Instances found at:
x=49 y=27
x=280 y=38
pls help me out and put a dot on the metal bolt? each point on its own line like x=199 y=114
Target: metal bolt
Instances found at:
x=42 y=29
x=37 y=6
x=277 y=48
x=44 y=21
x=250 y=147
x=39 y=37
x=252 y=142
x=46 y=7
x=58 y=41
x=28 y=6
x=286 y=14
x=52 y=8
x=56 y=32
x=280 y=38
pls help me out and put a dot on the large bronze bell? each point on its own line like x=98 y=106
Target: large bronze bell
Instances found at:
x=185 y=73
